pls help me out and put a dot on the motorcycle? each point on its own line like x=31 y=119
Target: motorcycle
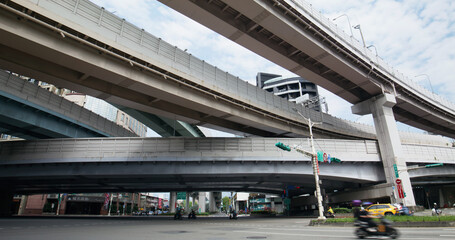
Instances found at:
x=436 y=211
x=233 y=215
x=178 y=215
x=384 y=228
x=192 y=215
x=329 y=215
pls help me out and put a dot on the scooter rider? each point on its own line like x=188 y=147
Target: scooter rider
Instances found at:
x=365 y=216
x=331 y=212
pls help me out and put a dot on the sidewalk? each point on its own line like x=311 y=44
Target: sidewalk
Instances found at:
x=445 y=212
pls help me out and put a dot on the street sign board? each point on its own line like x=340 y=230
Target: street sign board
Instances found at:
x=181 y=195
x=396 y=170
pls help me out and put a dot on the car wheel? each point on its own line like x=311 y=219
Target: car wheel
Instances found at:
x=388 y=214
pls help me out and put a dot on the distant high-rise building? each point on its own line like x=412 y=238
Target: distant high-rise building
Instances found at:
x=109 y=112
x=290 y=88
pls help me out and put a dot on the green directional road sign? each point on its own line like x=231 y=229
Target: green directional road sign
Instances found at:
x=396 y=170
x=181 y=195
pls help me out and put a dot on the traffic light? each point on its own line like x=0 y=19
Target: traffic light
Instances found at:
x=434 y=165
x=282 y=146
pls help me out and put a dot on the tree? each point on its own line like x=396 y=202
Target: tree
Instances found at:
x=225 y=203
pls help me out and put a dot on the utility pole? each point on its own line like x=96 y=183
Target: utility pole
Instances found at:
x=110 y=205
x=314 y=160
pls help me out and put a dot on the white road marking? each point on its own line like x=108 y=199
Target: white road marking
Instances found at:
x=294 y=234
x=308 y=229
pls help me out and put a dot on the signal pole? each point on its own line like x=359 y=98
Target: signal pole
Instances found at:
x=314 y=160
x=315 y=171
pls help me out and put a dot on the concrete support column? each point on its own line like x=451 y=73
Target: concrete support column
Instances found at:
x=23 y=204
x=212 y=202
x=201 y=201
x=187 y=202
x=172 y=201
x=118 y=203
x=133 y=199
x=389 y=142
x=193 y=200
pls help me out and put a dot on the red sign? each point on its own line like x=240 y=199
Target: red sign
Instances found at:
x=399 y=188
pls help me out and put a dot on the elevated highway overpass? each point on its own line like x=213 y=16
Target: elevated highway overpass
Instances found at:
x=82 y=47
x=203 y=164
x=30 y=112
x=299 y=38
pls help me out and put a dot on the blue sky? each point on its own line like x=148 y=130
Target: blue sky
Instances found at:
x=415 y=37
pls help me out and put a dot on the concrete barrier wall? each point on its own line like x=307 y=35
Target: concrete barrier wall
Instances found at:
x=31 y=94
x=202 y=149
x=96 y=22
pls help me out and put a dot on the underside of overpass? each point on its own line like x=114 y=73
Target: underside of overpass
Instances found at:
x=283 y=33
x=165 y=177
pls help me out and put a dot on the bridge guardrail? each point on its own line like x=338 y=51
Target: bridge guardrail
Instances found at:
x=204 y=149
x=47 y=101
x=368 y=55
x=108 y=26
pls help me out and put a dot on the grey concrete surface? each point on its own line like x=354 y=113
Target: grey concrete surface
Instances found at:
x=202 y=228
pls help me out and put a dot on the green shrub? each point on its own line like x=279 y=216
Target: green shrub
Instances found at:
x=400 y=219
x=342 y=210
x=203 y=214
x=422 y=218
x=262 y=212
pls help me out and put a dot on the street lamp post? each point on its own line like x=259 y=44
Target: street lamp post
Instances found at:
x=314 y=163
x=361 y=34
x=428 y=78
x=349 y=22
x=376 y=50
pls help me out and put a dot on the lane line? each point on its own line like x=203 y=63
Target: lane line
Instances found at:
x=294 y=234
x=308 y=229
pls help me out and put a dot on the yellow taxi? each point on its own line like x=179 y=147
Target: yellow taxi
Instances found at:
x=383 y=209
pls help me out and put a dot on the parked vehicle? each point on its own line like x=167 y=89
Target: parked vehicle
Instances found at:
x=233 y=215
x=384 y=209
x=384 y=229
x=178 y=214
x=435 y=211
x=192 y=214
x=405 y=211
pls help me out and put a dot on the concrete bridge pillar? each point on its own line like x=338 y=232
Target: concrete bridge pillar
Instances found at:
x=187 y=202
x=201 y=201
x=389 y=143
x=212 y=202
x=23 y=204
x=172 y=201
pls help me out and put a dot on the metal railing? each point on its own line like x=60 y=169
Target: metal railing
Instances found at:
x=21 y=90
x=355 y=46
x=96 y=22
x=202 y=149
